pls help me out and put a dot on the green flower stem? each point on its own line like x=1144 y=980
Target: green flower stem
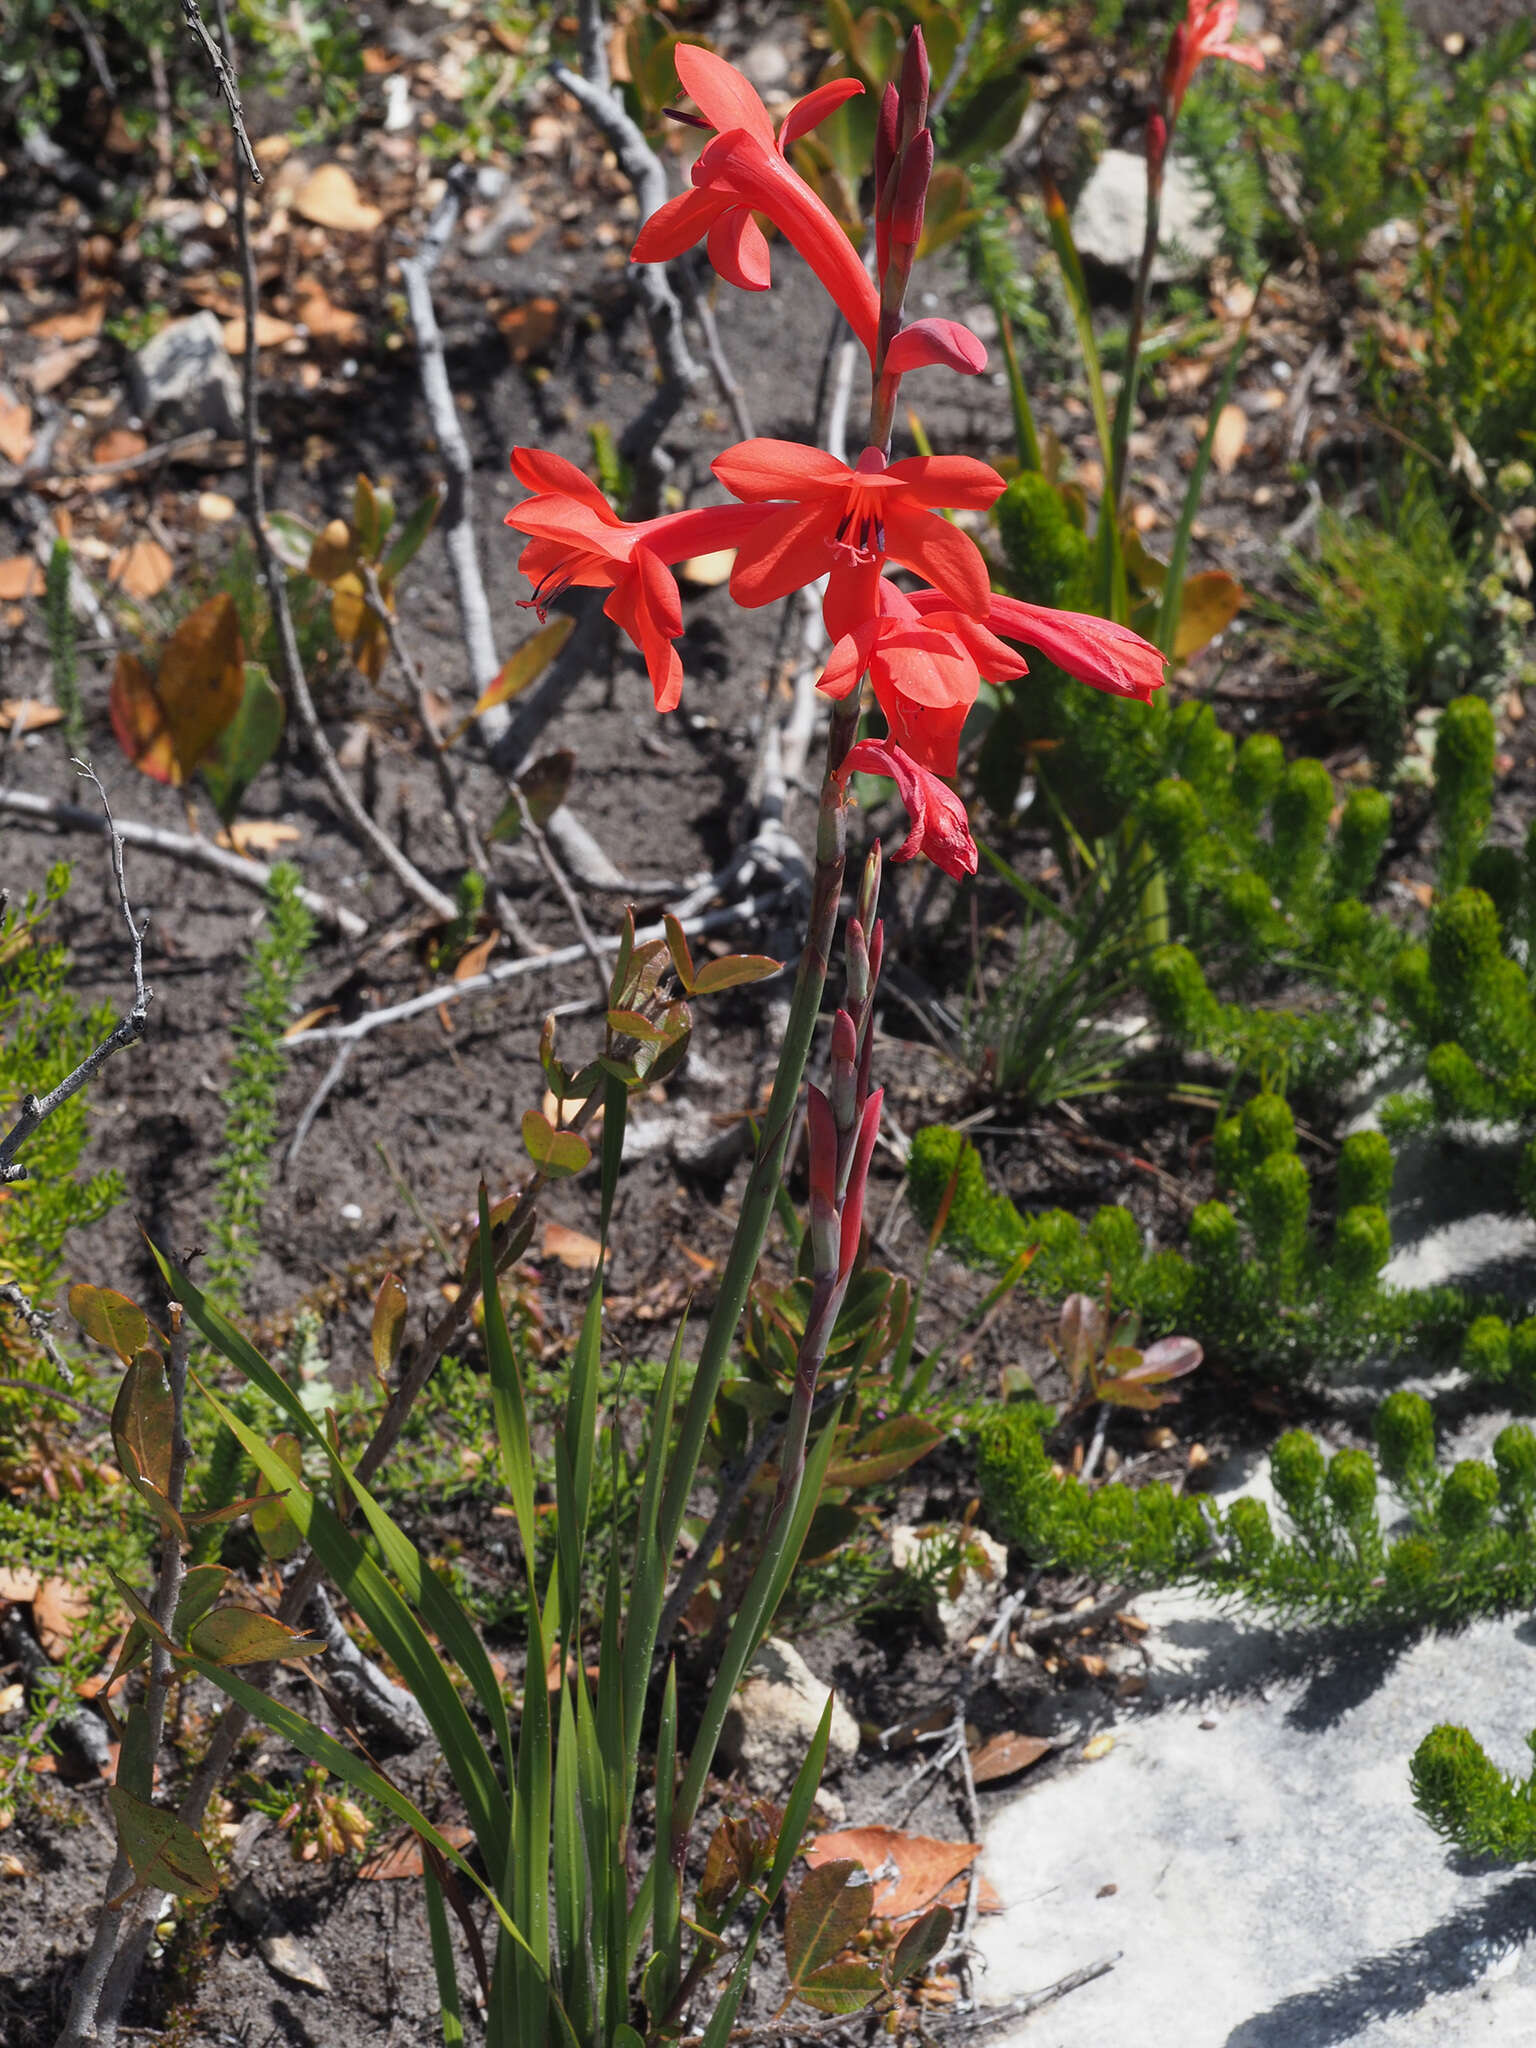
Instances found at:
x=768 y=1161
x=1125 y=405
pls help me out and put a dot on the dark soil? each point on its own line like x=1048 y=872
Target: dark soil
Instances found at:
x=442 y=1098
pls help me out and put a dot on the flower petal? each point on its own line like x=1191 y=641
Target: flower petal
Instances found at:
x=719 y=91
x=677 y=225
x=936 y=341
x=847 y=661
x=738 y=249
x=737 y=163
x=1096 y=651
x=958 y=482
x=939 y=826
x=810 y=112
x=940 y=553
x=757 y=470
x=785 y=552
x=537 y=470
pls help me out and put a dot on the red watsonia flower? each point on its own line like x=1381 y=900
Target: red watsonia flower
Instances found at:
x=1206 y=31
x=744 y=170
x=1096 y=651
x=939 y=825
x=926 y=667
x=844 y=523
x=578 y=538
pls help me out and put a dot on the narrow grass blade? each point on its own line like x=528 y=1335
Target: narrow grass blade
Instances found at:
x=507 y=1404
x=443 y=1964
x=399 y=1632
x=1173 y=583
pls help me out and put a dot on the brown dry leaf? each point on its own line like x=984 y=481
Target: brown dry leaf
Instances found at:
x=142 y=569
x=529 y=329
x=20 y=577
x=79 y=325
x=1231 y=438
x=119 y=445
x=56 y=364
x=571 y=1248
x=270 y=332
x=215 y=509
x=329 y=197
x=910 y=1872
x=402 y=1856
x=32 y=714
x=1004 y=1755
x=19 y=1584
x=11 y=1697
x=15 y=430
x=57 y=1606
x=258 y=835
x=1187 y=375
x=327 y=321
x=472 y=960
x=310 y=1018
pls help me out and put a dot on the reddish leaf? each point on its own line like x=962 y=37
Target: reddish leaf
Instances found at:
x=824 y=1915
x=910 y=1871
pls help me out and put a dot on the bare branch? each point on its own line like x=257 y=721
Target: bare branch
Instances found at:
x=39 y=1323
x=224 y=74
x=36 y=1109
x=513 y=970
x=235 y=867
x=274 y=577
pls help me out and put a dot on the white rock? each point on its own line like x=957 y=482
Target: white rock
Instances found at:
x=956 y=1616
x=1110 y=218
x=185 y=370
x=767 y=64
x=774 y=1716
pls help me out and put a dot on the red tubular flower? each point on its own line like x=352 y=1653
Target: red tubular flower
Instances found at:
x=1096 y=651
x=926 y=668
x=578 y=538
x=847 y=521
x=743 y=170
x=939 y=826
x=1206 y=31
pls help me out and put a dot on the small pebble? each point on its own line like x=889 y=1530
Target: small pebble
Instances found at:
x=1210 y=1722
x=351 y=1213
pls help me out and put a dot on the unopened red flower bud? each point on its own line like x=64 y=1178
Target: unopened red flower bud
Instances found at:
x=887 y=130
x=912 y=189
x=869 y=886
x=1157 y=147
x=843 y=1076
x=858 y=1180
x=856 y=951
x=914 y=85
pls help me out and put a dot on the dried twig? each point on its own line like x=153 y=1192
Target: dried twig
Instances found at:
x=224 y=74
x=36 y=1109
x=470 y=844
x=533 y=832
x=234 y=867
x=274 y=577
x=593 y=88
x=39 y=1323
x=512 y=970
x=986 y=2017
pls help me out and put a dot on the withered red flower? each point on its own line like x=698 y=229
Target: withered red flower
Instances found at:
x=939 y=825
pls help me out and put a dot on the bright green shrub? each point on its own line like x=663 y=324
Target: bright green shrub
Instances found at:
x=1405 y=1438
x=1468 y=1799
x=1364 y=824
x=1365 y=1169
x=1468 y=1498
x=1300 y=812
x=1256 y=774
x=1362 y=1243
x=1485 y=1348
x=1464 y=750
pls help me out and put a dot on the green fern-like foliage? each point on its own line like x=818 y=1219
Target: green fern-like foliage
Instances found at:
x=1466 y=1798
x=243 y=1167
x=1258 y=1283
x=44 y=1035
x=1457 y=1544
x=62 y=646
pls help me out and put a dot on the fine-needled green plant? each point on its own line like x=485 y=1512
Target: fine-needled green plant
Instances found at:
x=243 y=1167
x=62 y=648
x=1257 y=1285
x=1452 y=1545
